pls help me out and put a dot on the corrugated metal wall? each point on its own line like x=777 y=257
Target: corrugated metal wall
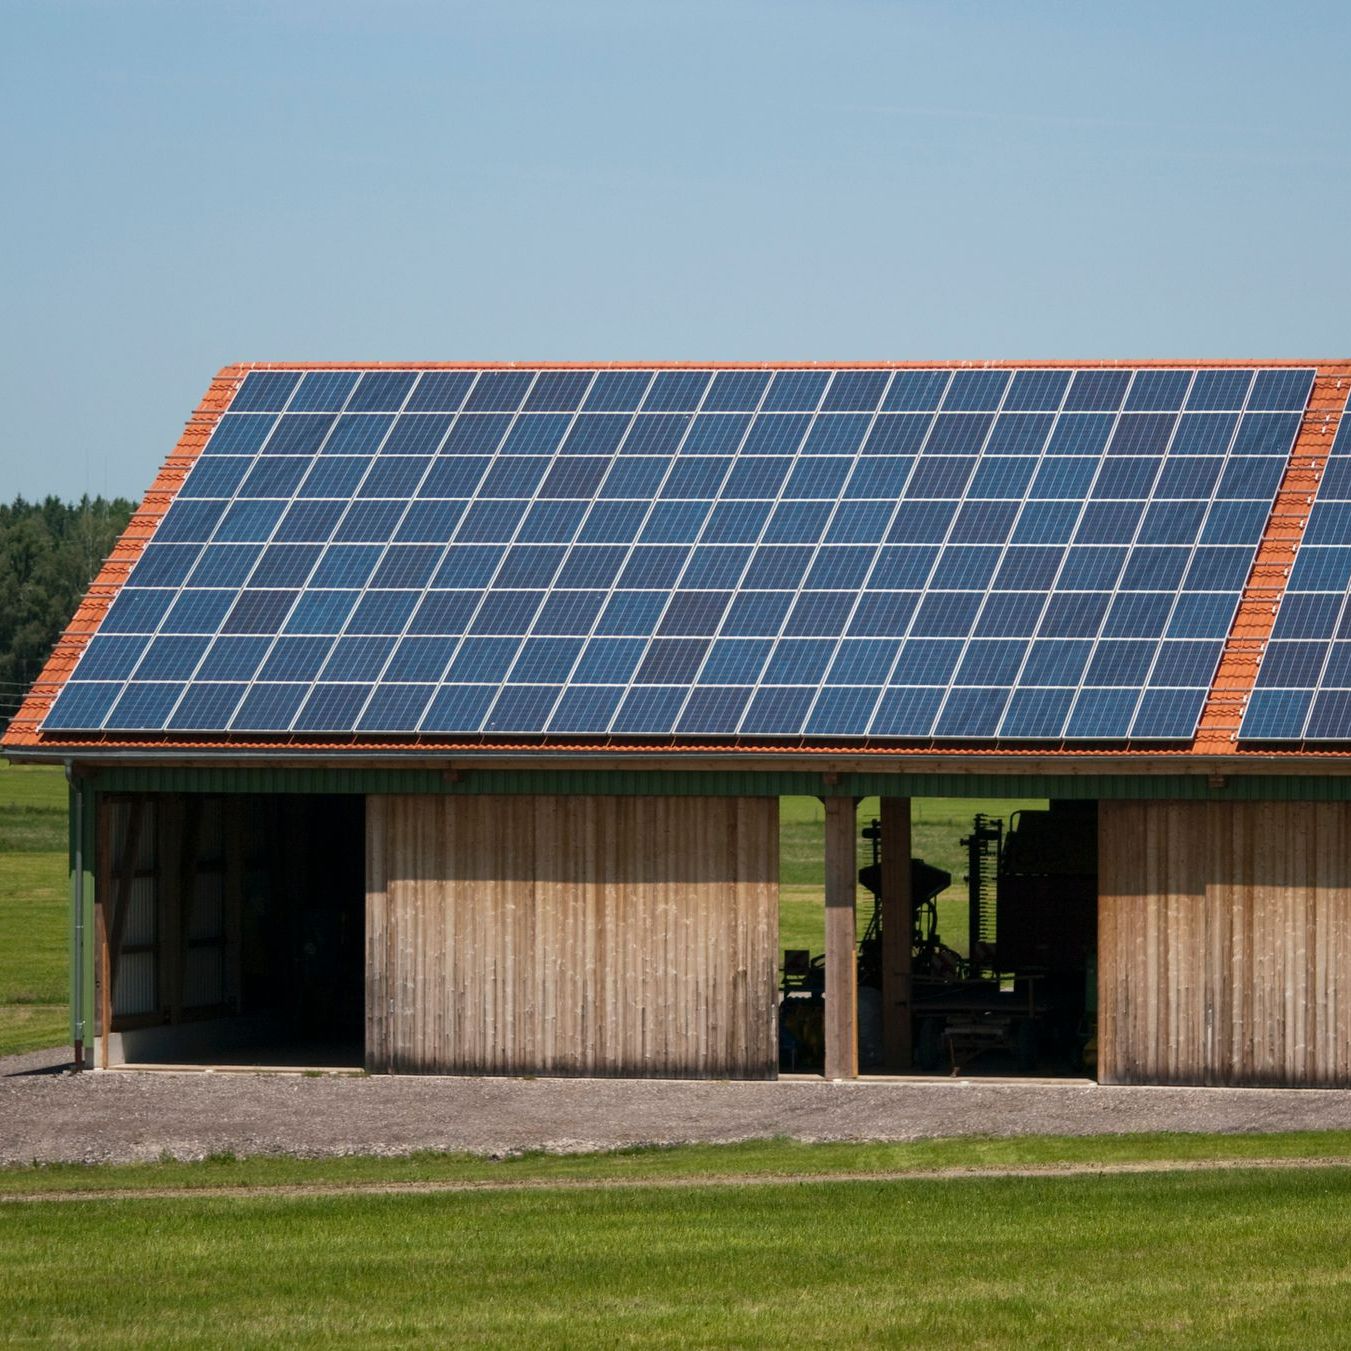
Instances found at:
x=1224 y=948
x=572 y=935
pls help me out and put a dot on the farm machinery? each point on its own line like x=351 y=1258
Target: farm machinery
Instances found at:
x=802 y=1006
x=1025 y=984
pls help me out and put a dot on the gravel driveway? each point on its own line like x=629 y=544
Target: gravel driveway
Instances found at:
x=124 y=1116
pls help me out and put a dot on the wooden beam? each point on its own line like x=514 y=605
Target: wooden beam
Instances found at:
x=841 y=1033
x=967 y=764
x=898 y=922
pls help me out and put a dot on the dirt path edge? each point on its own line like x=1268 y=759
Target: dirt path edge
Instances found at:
x=451 y=1186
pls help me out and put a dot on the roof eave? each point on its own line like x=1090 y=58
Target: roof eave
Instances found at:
x=825 y=762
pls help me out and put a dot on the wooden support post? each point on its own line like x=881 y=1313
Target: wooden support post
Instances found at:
x=898 y=922
x=841 y=1039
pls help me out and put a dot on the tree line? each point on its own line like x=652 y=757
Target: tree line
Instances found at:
x=49 y=553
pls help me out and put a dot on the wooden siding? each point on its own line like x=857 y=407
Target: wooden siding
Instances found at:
x=572 y=935
x=898 y=928
x=841 y=1011
x=1224 y=943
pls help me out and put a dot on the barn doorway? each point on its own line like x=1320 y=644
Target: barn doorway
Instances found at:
x=999 y=977
x=232 y=930
x=302 y=939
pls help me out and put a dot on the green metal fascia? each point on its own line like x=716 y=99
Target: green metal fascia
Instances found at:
x=720 y=783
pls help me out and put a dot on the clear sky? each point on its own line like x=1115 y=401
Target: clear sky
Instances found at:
x=189 y=184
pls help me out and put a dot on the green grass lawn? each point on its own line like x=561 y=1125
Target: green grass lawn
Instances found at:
x=33 y=909
x=1202 y=1259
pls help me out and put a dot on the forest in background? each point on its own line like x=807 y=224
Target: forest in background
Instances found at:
x=49 y=553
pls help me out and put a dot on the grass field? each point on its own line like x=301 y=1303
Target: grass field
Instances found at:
x=33 y=909
x=1202 y=1258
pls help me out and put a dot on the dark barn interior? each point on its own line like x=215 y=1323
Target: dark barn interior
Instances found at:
x=236 y=929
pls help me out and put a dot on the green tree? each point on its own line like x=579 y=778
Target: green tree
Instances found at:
x=49 y=553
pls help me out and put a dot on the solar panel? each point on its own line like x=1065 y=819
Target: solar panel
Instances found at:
x=1031 y=555
x=1303 y=686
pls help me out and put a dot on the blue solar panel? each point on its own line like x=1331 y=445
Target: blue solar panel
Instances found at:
x=965 y=554
x=265 y=389
x=1303 y=687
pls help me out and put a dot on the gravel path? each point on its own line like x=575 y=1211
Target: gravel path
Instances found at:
x=124 y=1116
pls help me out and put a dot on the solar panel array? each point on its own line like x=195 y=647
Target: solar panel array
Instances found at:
x=956 y=554
x=1303 y=688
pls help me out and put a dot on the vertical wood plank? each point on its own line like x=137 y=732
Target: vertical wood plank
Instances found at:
x=573 y=935
x=1108 y=1000
x=376 y=1056
x=1245 y=912
x=841 y=1013
x=898 y=922
x=1113 y=999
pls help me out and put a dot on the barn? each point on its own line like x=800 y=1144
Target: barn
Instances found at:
x=436 y=718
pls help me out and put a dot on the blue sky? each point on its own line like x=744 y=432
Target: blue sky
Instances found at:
x=191 y=184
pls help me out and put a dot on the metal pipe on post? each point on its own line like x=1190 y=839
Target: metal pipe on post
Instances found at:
x=841 y=1039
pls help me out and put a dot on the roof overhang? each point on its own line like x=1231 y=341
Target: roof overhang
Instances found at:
x=1028 y=764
